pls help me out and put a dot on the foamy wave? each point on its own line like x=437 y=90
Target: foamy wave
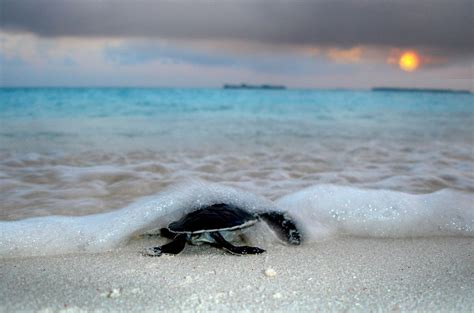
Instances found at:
x=327 y=210
x=101 y=232
x=321 y=211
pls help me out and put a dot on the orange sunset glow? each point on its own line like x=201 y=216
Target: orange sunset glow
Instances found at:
x=409 y=61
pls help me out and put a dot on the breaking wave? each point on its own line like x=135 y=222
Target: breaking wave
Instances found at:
x=321 y=212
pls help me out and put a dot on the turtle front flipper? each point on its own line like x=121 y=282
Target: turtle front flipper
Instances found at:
x=284 y=225
x=173 y=247
x=220 y=242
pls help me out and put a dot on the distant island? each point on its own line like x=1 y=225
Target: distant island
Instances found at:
x=247 y=86
x=419 y=90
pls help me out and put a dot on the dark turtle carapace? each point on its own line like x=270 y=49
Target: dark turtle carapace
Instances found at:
x=218 y=223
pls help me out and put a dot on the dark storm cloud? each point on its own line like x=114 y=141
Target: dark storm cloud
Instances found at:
x=442 y=24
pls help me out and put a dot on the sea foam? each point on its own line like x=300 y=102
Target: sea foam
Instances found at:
x=326 y=210
x=321 y=211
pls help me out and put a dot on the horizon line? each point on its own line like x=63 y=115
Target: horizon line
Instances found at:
x=373 y=88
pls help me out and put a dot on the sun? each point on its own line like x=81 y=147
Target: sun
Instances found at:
x=409 y=61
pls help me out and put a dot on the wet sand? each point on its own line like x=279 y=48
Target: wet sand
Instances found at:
x=345 y=274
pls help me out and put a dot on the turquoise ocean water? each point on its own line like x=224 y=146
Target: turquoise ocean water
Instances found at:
x=70 y=120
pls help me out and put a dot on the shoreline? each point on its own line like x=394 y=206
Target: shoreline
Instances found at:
x=357 y=274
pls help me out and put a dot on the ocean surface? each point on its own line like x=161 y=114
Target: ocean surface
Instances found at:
x=355 y=162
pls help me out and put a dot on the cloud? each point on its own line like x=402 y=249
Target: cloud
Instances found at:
x=438 y=24
x=352 y=55
x=320 y=43
x=94 y=53
x=135 y=52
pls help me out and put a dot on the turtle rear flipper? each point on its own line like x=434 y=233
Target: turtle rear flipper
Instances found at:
x=166 y=233
x=173 y=247
x=284 y=225
x=220 y=242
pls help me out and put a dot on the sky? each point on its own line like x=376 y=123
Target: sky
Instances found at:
x=204 y=43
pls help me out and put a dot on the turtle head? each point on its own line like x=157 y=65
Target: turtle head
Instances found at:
x=283 y=225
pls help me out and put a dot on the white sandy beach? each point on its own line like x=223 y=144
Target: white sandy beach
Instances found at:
x=345 y=274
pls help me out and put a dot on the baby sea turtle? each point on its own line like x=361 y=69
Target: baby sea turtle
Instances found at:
x=216 y=224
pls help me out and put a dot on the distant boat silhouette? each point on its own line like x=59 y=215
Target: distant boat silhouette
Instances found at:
x=398 y=89
x=247 y=86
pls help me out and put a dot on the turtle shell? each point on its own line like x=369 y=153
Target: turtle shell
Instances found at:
x=213 y=218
